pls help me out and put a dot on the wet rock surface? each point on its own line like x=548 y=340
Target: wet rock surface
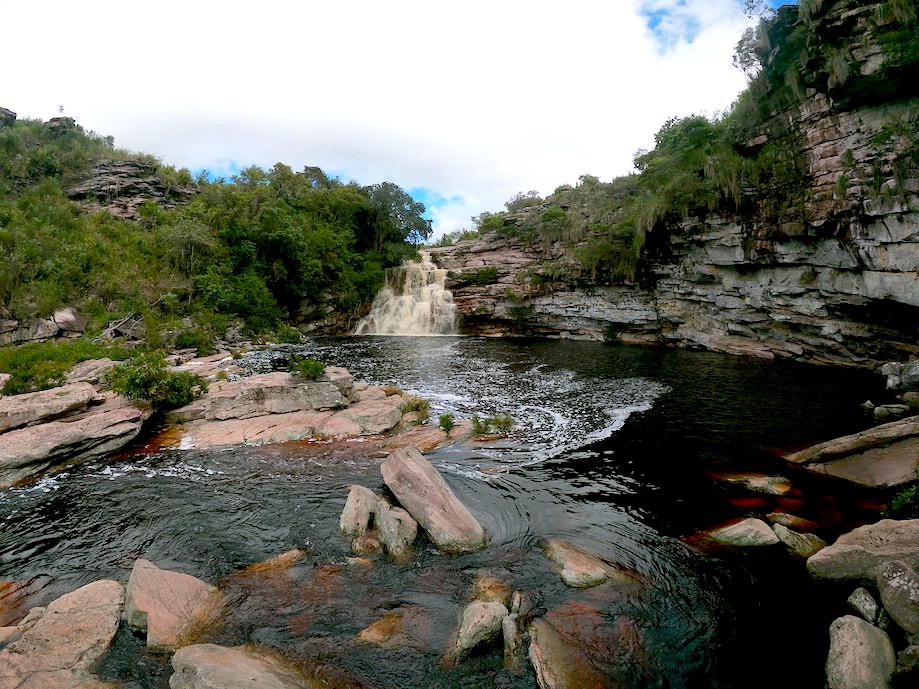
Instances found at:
x=857 y=555
x=208 y=666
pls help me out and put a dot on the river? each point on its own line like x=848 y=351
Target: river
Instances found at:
x=612 y=450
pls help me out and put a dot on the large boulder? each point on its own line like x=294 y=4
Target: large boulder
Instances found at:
x=28 y=451
x=480 y=623
x=581 y=569
x=422 y=491
x=856 y=556
x=898 y=584
x=167 y=605
x=7 y=117
x=208 y=666
x=34 y=407
x=65 y=638
x=861 y=655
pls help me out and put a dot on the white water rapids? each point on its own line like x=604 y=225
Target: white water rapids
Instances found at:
x=414 y=301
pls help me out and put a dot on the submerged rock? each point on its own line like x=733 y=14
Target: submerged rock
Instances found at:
x=802 y=545
x=359 y=510
x=513 y=643
x=480 y=623
x=33 y=407
x=582 y=569
x=422 y=491
x=898 y=584
x=745 y=533
x=208 y=666
x=856 y=556
x=60 y=643
x=758 y=483
x=861 y=655
x=560 y=664
x=167 y=605
x=383 y=630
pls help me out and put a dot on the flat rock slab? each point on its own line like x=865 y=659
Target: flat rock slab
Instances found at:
x=856 y=556
x=33 y=407
x=101 y=430
x=861 y=655
x=91 y=371
x=70 y=635
x=879 y=467
x=560 y=664
x=857 y=442
x=259 y=430
x=208 y=666
x=745 y=533
x=422 y=491
x=581 y=569
x=167 y=605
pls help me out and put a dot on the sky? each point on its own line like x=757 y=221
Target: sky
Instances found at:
x=461 y=103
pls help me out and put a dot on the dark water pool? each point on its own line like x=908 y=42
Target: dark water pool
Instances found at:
x=611 y=452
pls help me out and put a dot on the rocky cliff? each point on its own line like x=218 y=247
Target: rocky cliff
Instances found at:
x=824 y=268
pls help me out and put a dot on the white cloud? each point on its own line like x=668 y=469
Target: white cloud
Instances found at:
x=475 y=100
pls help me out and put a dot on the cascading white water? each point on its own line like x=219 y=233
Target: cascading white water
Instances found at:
x=414 y=301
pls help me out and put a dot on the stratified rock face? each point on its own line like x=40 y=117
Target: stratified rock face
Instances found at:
x=898 y=584
x=856 y=556
x=63 y=323
x=422 y=491
x=67 y=637
x=167 y=605
x=100 y=430
x=825 y=269
x=121 y=186
x=207 y=666
x=861 y=655
x=33 y=407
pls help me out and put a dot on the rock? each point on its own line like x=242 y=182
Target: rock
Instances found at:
x=898 y=584
x=745 y=533
x=489 y=587
x=17 y=598
x=513 y=643
x=359 y=510
x=4 y=377
x=368 y=544
x=582 y=569
x=33 y=407
x=68 y=636
x=383 y=630
x=758 y=483
x=908 y=661
x=91 y=371
x=560 y=664
x=856 y=556
x=862 y=602
x=791 y=521
x=481 y=623
x=7 y=118
x=861 y=655
x=28 y=451
x=71 y=323
x=342 y=379
x=373 y=417
x=891 y=411
x=278 y=563
x=208 y=666
x=260 y=430
x=857 y=442
x=422 y=491
x=167 y=605
x=270 y=393
x=802 y=545
x=395 y=528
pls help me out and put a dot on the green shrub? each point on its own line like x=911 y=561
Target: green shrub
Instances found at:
x=42 y=365
x=417 y=404
x=200 y=340
x=483 y=276
x=479 y=426
x=146 y=379
x=391 y=390
x=286 y=334
x=446 y=422
x=905 y=504
x=502 y=423
x=310 y=369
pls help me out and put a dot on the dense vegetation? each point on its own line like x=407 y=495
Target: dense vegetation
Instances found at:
x=263 y=246
x=146 y=379
x=745 y=159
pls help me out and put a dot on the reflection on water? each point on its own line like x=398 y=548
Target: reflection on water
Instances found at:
x=609 y=453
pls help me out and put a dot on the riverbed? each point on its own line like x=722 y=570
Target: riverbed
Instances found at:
x=613 y=449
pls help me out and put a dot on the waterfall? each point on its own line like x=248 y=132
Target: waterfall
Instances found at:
x=413 y=301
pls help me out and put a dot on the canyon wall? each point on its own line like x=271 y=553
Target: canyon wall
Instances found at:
x=826 y=271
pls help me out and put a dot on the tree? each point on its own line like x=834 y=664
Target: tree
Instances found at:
x=405 y=214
